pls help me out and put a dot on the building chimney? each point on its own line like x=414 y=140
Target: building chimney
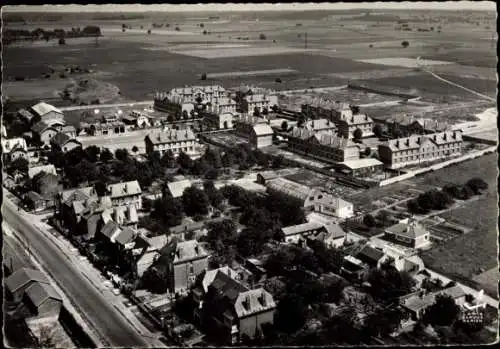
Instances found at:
x=197 y=250
x=445 y=136
x=262 y=299
x=125 y=188
x=397 y=143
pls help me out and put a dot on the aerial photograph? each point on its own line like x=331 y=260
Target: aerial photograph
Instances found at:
x=249 y=175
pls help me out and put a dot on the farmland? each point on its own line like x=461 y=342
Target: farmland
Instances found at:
x=454 y=256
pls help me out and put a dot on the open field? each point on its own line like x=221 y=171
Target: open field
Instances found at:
x=427 y=86
x=454 y=256
x=250 y=73
x=489 y=280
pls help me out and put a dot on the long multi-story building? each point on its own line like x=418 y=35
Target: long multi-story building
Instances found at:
x=184 y=99
x=348 y=123
x=206 y=93
x=219 y=105
x=174 y=140
x=260 y=102
x=172 y=104
x=324 y=147
x=401 y=152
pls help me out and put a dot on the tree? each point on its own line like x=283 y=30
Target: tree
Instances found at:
x=195 y=201
x=387 y=283
x=262 y=37
x=211 y=174
x=278 y=161
x=212 y=157
x=62 y=41
x=275 y=108
x=215 y=197
x=256 y=111
x=369 y=220
x=354 y=109
x=284 y=126
x=358 y=134
x=202 y=25
x=405 y=44
x=168 y=159
x=92 y=153
x=367 y=152
x=378 y=130
x=149 y=31
x=46 y=338
x=443 y=312
x=250 y=242
x=106 y=155
x=291 y=313
x=121 y=154
x=185 y=161
x=477 y=185
x=19 y=164
x=168 y=211
x=383 y=322
x=265 y=111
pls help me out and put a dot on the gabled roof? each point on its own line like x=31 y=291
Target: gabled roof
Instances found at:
x=22 y=276
x=291 y=188
x=26 y=114
x=416 y=303
x=211 y=275
x=33 y=171
x=410 y=230
x=227 y=286
x=370 y=254
x=41 y=126
x=301 y=228
x=61 y=139
x=187 y=250
x=68 y=129
x=171 y=136
x=319 y=124
x=253 y=301
x=124 y=189
x=356 y=119
x=335 y=202
x=125 y=236
x=39 y=292
x=263 y=130
x=415 y=142
x=334 y=231
x=44 y=108
x=79 y=194
x=34 y=196
x=110 y=229
x=361 y=163
x=176 y=189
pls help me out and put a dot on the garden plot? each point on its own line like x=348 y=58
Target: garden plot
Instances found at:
x=211 y=53
x=404 y=62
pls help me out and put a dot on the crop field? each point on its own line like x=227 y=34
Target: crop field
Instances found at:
x=489 y=280
x=404 y=62
x=428 y=86
x=481 y=216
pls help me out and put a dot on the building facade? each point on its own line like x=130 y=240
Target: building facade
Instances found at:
x=408 y=233
x=187 y=260
x=125 y=193
x=348 y=123
x=174 y=140
x=324 y=147
x=401 y=152
x=260 y=102
x=14 y=148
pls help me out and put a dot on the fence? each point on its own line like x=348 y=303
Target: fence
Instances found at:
x=439 y=166
x=75 y=331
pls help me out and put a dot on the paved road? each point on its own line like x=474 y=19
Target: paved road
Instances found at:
x=105 y=319
x=100 y=106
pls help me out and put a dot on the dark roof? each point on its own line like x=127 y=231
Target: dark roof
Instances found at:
x=22 y=276
x=34 y=196
x=109 y=229
x=60 y=139
x=40 y=292
x=370 y=254
x=39 y=127
x=227 y=286
x=125 y=236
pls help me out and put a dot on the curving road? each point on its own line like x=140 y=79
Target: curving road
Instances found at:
x=109 y=323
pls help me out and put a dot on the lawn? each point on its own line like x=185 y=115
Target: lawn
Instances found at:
x=466 y=254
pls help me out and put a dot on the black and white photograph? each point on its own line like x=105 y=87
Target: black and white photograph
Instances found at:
x=249 y=174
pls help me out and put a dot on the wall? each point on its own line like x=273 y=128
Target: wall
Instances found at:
x=50 y=306
x=250 y=324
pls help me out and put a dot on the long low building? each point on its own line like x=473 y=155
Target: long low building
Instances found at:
x=401 y=152
x=325 y=147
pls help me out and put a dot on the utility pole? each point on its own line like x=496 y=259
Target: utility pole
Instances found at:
x=305 y=41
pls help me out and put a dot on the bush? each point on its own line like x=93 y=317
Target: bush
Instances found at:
x=204 y=76
x=405 y=44
x=369 y=220
x=62 y=41
x=262 y=37
x=476 y=185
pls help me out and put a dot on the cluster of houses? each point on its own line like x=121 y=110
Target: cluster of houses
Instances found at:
x=38 y=304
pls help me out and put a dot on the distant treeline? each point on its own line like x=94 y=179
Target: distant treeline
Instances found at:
x=10 y=35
